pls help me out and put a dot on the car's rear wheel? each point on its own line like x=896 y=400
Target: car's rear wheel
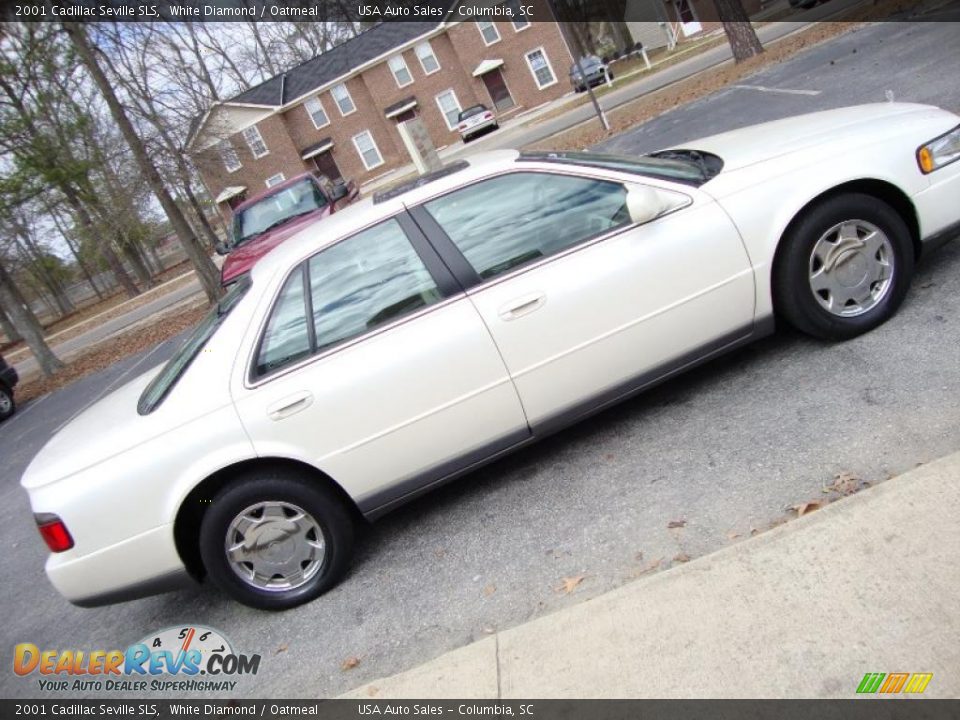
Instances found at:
x=7 y=404
x=274 y=540
x=844 y=267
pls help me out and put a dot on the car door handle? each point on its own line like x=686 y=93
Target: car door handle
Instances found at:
x=290 y=405
x=522 y=306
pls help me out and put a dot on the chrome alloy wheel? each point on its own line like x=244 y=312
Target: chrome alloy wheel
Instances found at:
x=851 y=268
x=275 y=546
x=6 y=404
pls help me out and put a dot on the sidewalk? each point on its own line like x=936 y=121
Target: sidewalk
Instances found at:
x=866 y=584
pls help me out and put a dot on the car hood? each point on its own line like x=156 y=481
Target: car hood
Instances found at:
x=240 y=261
x=107 y=428
x=759 y=143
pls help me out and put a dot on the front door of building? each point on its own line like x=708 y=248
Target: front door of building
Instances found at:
x=497 y=87
x=327 y=165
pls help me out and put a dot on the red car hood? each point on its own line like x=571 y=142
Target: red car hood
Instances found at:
x=240 y=261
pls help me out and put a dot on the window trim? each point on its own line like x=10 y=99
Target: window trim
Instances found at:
x=318 y=101
x=546 y=58
x=433 y=54
x=283 y=178
x=448 y=286
x=443 y=114
x=467 y=275
x=490 y=24
x=266 y=150
x=349 y=97
x=376 y=147
x=393 y=71
x=226 y=146
x=515 y=6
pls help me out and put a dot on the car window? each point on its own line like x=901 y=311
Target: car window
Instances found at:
x=366 y=281
x=361 y=283
x=474 y=110
x=286 y=339
x=298 y=199
x=511 y=220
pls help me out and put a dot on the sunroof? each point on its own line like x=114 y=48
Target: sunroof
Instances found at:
x=407 y=185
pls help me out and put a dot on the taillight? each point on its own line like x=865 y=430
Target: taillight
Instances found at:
x=53 y=532
x=462 y=126
x=487 y=116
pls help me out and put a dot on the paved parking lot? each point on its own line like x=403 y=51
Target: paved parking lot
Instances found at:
x=726 y=448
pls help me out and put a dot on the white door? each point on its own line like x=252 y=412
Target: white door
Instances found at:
x=688 y=18
x=389 y=385
x=581 y=302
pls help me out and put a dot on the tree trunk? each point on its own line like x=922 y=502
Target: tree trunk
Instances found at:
x=740 y=33
x=9 y=331
x=75 y=251
x=27 y=326
x=133 y=257
x=206 y=270
x=42 y=273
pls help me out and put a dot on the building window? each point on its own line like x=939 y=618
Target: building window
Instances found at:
x=449 y=107
x=231 y=161
x=342 y=97
x=367 y=150
x=540 y=67
x=255 y=141
x=428 y=60
x=275 y=180
x=519 y=21
x=401 y=73
x=316 y=112
x=489 y=32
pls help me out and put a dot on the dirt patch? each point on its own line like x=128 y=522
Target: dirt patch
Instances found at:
x=105 y=354
x=693 y=88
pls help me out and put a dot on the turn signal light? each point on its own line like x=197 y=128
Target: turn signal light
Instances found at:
x=53 y=532
x=925 y=157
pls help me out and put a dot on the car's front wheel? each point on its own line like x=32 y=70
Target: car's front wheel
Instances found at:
x=7 y=404
x=844 y=267
x=274 y=540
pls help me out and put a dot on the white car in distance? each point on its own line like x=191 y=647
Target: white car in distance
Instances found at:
x=425 y=331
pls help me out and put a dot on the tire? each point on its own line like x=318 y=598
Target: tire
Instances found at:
x=263 y=505
x=843 y=268
x=7 y=404
x=612 y=77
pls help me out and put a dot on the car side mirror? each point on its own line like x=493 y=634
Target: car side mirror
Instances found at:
x=645 y=203
x=221 y=248
x=340 y=190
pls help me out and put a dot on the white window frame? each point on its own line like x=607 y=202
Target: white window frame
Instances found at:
x=523 y=22
x=426 y=44
x=398 y=58
x=546 y=59
x=316 y=101
x=443 y=114
x=273 y=180
x=348 y=96
x=373 y=142
x=227 y=150
x=253 y=151
x=482 y=25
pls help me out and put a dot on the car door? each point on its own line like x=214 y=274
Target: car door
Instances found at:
x=584 y=304
x=374 y=367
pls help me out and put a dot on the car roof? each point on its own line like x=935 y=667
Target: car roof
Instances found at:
x=271 y=191
x=365 y=212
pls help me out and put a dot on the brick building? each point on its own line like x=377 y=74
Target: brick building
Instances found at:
x=338 y=112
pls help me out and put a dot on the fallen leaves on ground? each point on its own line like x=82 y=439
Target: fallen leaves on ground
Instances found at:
x=681 y=558
x=373 y=690
x=845 y=483
x=673 y=524
x=806 y=508
x=569 y=584
x=489 y=590
x=350 y=663
x=282 y=648
x=732 y=535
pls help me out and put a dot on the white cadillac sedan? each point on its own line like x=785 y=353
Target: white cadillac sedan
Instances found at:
x=436 y=326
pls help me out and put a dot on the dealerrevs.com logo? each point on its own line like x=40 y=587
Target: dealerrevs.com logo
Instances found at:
x=176 y=659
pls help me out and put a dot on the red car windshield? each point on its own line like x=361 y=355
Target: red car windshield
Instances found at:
x=298 y=199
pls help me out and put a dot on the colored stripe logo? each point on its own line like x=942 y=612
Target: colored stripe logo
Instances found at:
x=892 y=683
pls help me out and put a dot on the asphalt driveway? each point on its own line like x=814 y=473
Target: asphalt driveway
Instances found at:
x=726 y=448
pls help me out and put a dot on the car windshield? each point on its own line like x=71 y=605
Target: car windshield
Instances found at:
x=298 y=199
x=471 y=111
x=588 y=63
x=675 y=169
x=163 y=383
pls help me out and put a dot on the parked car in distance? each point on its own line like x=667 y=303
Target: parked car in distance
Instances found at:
x=8 y=380
x=476 y=120
x=595 y=72
x=267 y=219
x=434 y=327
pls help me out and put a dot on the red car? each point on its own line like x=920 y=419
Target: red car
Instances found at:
x=266 y=220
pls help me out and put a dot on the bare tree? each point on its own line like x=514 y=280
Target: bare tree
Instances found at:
x=26 y=324
x=205 y=269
